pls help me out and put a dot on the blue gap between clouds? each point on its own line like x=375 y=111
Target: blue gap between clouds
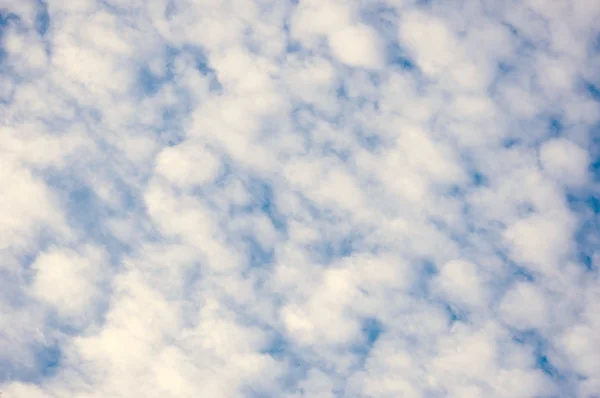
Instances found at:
x=329 y=149
x=479 y=179
x=278 y=347
x=340 y=92
x=381 y=17
x=596 y=44
x=521 y=274
x=48 y=359
x=169 y=9
x=327 y=251
x=595 y=169
x=455 y=314
x=306 y=116
x=267 y=205
x=397 y=56
x=371 y=329
x=42 y=18
x=516 y=271
x=170 y=133
x=555 y=127
x=384 y=20
x=263 y=201
x=526 y=46
x=425 y=270
x=281 y=350
x=540 y=351
x=87 y=214
x=457 y=236
x=504 y=68
x=257 y=255
x=369 y=141
x=8 y=17
x=503 y=71
x=46 y=362
x=594 y=151
x=587 y=237
x=292 y=46
x=150 y=83
x=593 y=91
x=511 y=142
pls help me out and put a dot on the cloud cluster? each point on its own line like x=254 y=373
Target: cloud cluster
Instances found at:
x=310 y=198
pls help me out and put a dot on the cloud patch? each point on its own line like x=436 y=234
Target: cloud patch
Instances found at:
x=299 y=199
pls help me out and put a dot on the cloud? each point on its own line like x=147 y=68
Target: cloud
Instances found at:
x=525 y=307
x=565 y=161
x=357 y=46
x=61 y=275
x=299 y=199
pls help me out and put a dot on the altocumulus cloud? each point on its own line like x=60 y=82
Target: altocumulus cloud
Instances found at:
x=313 y=198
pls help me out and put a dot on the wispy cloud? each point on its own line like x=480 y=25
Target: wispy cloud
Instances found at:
x=299 y=199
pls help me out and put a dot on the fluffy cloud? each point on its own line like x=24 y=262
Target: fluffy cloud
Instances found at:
x=299 y=199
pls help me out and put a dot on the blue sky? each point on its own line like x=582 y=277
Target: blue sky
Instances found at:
x=314 y=198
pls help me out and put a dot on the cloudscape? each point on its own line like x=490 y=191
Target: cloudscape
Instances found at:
x=299 y=198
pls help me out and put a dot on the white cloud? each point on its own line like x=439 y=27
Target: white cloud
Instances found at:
x=314 y=18
x=28 y=206
x=25 y=51
x=187 y=165
x=565 y=161
x=357 y=46
x=298 y=199
x=525 y=307
x=459 y=282
x=430 y=39
x=541 y=243
x=580 y=343
x=69 y=281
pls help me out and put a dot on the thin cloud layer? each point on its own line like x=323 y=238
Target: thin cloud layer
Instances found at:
x=299 y=199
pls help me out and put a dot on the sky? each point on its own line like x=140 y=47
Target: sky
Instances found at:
x=306 y=198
